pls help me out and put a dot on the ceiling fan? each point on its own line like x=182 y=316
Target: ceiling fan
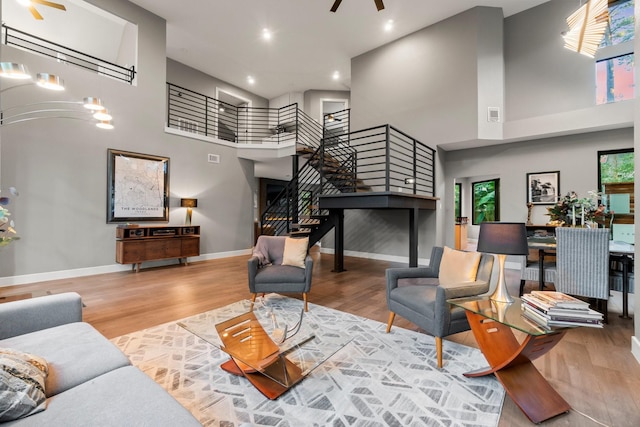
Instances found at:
x=32 y=8
x=336 y=4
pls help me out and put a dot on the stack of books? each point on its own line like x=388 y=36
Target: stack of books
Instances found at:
x=555 y=309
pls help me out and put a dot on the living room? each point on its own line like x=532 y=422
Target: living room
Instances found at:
x=59 y=166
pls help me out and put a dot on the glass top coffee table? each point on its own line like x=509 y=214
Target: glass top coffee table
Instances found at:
x=273 y=346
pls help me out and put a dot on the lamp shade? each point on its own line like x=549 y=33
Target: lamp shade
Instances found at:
x=189 y=203
x=506 y=238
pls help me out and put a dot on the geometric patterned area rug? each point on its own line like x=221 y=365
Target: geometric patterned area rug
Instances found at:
x=377 y=379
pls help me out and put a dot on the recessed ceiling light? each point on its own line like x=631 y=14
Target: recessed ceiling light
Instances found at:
x=251 y=80
x=266 y=34
x=389 y=25
x=336 y=75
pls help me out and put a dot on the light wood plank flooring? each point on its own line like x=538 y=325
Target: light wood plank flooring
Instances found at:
x=593 y=369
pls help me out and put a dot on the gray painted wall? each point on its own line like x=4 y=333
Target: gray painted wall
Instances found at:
x=60 y=165
x=540 y=71
x=575 y=156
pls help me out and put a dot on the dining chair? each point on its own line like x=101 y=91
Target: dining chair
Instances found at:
x=582 y=264
x=530 y=271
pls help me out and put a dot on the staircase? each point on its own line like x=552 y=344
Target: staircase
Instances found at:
x=378 y=160
x=376 y=168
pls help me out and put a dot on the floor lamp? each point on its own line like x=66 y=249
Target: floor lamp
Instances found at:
x=502 y=239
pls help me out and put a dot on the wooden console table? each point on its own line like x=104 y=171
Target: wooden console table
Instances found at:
x=136 y=244
x=492 y=323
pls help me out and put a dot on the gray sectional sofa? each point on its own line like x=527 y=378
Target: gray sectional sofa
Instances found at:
x=90 y=381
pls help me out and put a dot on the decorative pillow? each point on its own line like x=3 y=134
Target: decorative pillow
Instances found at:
x=295 y=251
x=22 y=378
x=458 y=266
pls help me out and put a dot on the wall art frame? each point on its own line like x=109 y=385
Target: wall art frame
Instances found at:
x=137 y=187
x=543 y=188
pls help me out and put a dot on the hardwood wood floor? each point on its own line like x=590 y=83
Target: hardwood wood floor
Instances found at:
x=593 y=369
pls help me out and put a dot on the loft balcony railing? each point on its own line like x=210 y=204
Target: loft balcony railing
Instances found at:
x=380 y=159
x=14 y=37
x=193 y=112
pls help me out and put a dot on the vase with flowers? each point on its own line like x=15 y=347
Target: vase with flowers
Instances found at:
x=7 y=230
x=572 y=210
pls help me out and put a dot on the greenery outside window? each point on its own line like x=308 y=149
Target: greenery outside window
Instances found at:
x=615 y=59
x=457 y=203
x=616 y=182
x=485 y=201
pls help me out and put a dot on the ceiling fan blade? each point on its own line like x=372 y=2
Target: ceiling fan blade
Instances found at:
x=50 y=4
x=379 y=5
x=335 y=6
x=35 y=13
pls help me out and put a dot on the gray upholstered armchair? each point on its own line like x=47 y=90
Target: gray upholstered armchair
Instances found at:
x=267 y=273
x=417 y=295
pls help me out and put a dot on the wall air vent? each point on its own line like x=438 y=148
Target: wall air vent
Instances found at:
x=493 y=114
x=213 y=158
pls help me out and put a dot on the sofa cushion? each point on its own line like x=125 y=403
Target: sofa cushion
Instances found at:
x=458 y=267
x=76 y=353
x=122 y=397
x=22 y=382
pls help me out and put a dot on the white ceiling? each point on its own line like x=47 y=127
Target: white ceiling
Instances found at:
x=63 y=27
x=222 y=38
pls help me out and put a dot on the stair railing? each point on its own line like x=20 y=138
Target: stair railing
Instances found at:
x=378 y=159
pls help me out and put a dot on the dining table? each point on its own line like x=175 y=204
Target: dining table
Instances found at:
x=622 y=252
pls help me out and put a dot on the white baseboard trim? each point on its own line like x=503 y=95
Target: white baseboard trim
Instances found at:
x=635 y=347
x=401 y=259
x=113 y=268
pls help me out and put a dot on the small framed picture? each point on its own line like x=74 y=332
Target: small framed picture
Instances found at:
x=543 y=188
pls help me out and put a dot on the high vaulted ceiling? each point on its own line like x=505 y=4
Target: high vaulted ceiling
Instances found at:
x=223 y=37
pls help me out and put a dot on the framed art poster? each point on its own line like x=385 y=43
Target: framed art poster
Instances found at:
x=137 y=187
x=543 y=188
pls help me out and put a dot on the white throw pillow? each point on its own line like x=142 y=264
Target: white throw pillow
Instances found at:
x=458 y=266
x=295 y=251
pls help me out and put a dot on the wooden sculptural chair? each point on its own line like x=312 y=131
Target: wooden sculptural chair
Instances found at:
x=420 y=294
x=280 y=264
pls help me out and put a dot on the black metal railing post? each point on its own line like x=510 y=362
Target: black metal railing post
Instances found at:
x=387 y=181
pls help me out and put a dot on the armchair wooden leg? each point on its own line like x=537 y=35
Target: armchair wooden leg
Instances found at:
x=439 y=351
x=306 y=304
x=392 y=316
x=253 y=300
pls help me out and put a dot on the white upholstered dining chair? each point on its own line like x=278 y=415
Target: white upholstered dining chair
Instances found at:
x=582 y=263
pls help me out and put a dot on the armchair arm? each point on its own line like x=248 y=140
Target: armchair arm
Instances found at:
x=308 y=272
x=253 y=264
x=30 y=315
x=395 y=274
x=460 y=290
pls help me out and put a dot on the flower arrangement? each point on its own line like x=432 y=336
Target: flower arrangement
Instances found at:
x=7 y=232
x=572 y=210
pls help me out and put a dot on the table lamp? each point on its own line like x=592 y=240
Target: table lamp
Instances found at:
x=502 y=239
x=189 y=204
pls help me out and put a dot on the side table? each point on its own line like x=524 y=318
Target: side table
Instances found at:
x=492 y=324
